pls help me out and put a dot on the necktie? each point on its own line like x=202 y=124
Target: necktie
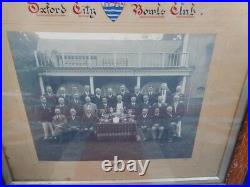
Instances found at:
x=175 y=107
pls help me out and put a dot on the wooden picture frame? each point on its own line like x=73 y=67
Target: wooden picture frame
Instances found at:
x=238 y=167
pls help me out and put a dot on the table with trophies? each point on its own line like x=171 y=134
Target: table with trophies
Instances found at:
x=116 y=128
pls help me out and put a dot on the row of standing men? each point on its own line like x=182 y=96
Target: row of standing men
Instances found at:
x=96 y=105
x=76 y=100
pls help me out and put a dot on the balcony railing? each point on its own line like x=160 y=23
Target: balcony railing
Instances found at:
x=112 y=60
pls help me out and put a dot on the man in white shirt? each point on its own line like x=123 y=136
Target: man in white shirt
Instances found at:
x=125 y=94
x=133 y=106
x=50 y=96
x=161 y=105
x=62 y=93
x=137 y=94
x=151 y=95
x=62 y=106
x=119 y=105
x=87 y=90
x=111 y=98
x=73 y=123
x=59 y=122
x=89 y=106
x=143 y=127
x=165 y=93
x=85 y=93
x=145 y=103
x=97 y=98
x=76 y=103
x=178 y=110
x=179 y=93
x=45 y=116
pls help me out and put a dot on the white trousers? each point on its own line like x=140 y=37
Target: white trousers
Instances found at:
x=178 y=129
x=48 y=129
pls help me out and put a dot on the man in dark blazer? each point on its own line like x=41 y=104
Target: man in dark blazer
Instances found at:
x=62 y=94
x=157 y=129
x=145 y=103
x=179 y=93
x=104 y=105
x=50 y=96
x=86 y=93
x=161 y=105
x=125 y=94
x=133 y=106
x=151 y=95
x=76 y=103
x=111 y=98
x=137 y=94
x=59 y=122
x=178 y=111
x=89 y=121
x=74 y=120
x=45 y=113
x=97 y=97
x=170 y=123
x=74 y=90
x=89 y=106
x=74 y=123
x=64 y=109
x=104 y=109
x=143 y=126
x=165 y=93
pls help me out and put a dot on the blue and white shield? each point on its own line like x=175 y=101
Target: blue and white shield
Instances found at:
x=113 y=9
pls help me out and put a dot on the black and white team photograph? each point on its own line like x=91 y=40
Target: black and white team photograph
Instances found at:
x=90 y=96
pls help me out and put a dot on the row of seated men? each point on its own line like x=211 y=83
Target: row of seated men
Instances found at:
x=57 y=116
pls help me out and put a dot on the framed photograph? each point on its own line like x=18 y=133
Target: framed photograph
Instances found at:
x=122 y=92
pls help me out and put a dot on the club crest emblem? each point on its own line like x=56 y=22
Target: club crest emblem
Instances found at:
x=113 y=9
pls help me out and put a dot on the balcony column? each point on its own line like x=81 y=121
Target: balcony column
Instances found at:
x=40 y=78
x=115 y=59
x=184 y=51
x=91 y=83
x=138 y=81
x=183 y=84
x=62 y=63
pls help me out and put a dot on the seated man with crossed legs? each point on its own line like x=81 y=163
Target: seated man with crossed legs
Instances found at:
x=143 y=127
x=170 y=123
x=89 y=121
x=73 y=123
x=59 y=122
x=157 y=129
